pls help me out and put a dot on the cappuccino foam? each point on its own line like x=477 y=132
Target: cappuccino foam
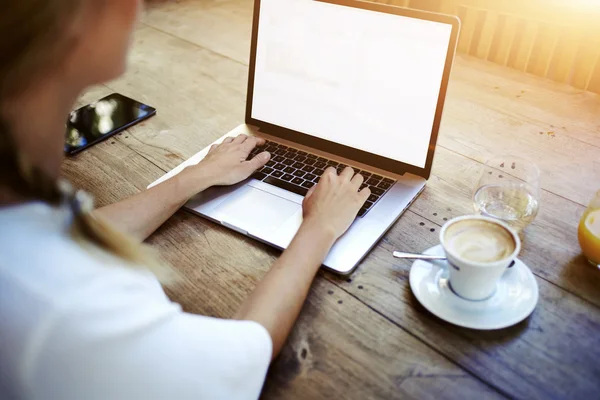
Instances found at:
x=479 y=241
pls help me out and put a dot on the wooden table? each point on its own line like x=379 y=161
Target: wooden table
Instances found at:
x=367 y=336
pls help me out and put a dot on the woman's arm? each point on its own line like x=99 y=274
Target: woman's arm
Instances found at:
x=140 y=215
x=329 y=210
x=225 y=164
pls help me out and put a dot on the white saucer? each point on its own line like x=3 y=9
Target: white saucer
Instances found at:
x=515 y=297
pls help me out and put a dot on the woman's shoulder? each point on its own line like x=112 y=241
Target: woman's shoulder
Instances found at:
x=61 y=299
x=38 y=254
x=48 y=281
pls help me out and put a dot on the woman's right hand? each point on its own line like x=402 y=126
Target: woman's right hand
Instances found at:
x=334 y=202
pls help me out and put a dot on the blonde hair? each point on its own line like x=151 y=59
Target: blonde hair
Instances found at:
x=32 y=34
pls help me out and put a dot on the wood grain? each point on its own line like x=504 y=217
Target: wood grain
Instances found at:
x=203 y=107
x=490 y=25
x=488 y=113
x=563 y=60
x=543 y=49
x=527 y=33
x=370 y=360
x=552 y=354
x=468 y=19
x=537 y=35
x=585 y=61
x=400 y=3
x=222 y=26
x=110 y=171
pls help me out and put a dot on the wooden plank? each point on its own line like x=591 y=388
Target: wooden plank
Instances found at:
x=468 y=18
x=427 y=5
x=498 y=53
x=338 y=366
x=505 y=39
x=478 y=31
x=449 y=7
x=212 y=23
x=513 y=51
x=489 y=30
x=500 y=88
x=110 y=170
x=563 y=60
x=577 y=13
x=523 y=44
x=585 y=62
x=546 y=356
x=216 y=101
x=551 y=53
x=399 y=3
x=594 y=85
x=542 y=51
x=481 y=97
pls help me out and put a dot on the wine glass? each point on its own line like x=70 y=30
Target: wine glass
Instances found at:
x=509 y=190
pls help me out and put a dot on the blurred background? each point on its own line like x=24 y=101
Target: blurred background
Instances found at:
x=556 y=39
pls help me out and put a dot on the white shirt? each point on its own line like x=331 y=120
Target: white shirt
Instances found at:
x=77 y=326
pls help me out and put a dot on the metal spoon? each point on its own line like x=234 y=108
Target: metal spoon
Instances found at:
x=412 y=256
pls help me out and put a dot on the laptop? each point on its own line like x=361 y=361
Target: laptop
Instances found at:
x=336 y=83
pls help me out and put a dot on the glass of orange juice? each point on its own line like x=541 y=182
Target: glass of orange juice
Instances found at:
x=589 y=232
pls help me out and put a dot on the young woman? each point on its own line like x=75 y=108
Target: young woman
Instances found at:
x=80 y=316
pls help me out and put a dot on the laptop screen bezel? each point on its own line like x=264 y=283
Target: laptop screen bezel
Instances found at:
x=384 y=163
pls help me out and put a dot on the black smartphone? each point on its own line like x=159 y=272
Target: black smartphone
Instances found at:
x=106 y=117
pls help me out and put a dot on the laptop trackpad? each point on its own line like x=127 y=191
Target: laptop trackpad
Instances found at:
x=255 y=211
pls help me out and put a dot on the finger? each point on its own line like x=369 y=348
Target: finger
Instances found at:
x=357 y=180
x=228 y=139
x=240 y=139
x=259 y=141
x=330 y=172
x=364 y=194
x=258 y=161
x=310 y=192
x=212 y=148
x=347 y=174
x=249 y=143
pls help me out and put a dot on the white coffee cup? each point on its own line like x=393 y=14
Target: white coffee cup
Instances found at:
x=479 y=250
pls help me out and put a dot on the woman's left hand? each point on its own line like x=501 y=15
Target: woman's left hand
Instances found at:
x=225 y=163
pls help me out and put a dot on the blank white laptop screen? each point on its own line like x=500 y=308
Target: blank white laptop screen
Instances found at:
x=361 y=78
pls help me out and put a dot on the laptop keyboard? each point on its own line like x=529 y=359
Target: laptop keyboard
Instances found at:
x=297 y=171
